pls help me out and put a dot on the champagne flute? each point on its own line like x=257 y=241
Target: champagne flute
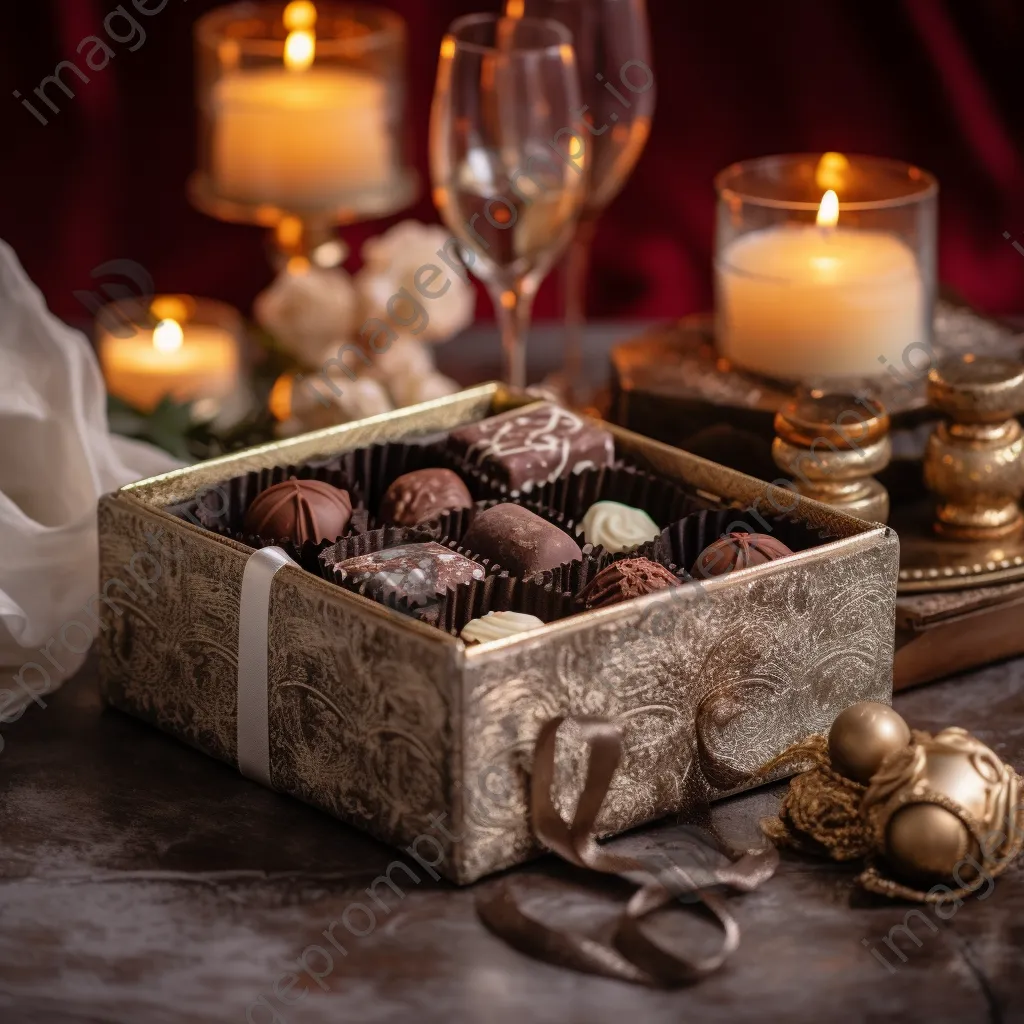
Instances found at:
x=613 y=49
x=507 y=162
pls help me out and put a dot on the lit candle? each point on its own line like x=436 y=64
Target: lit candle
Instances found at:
x=806 y=302
x=191 y=353
x=298 y=136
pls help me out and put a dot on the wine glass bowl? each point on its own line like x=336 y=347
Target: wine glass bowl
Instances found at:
x=508 y=162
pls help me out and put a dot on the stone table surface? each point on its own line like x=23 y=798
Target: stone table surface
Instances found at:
x=143 y=882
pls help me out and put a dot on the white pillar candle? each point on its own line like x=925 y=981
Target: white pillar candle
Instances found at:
x=299 y=139
x=810 y=302
x=185 y=361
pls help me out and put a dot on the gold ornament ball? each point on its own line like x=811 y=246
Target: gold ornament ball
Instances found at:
x=925 y=843
x=861 y=738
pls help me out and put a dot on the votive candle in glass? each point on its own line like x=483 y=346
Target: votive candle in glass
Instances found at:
x=825 y=266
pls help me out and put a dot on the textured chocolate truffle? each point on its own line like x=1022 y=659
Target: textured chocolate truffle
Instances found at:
x=519 y=541
x=423 y=494
x=737 y=551
x=534 y=445
x=419 y=573
x=299 y=510
x=620 y=581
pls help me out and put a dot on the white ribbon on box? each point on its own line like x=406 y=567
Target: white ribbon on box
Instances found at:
x=253 y=641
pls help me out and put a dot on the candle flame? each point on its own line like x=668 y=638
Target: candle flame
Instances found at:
x=514 y=8
x=828 y=212
x=168 y=336
x=831 y=171
x=299 y=49
x=171 y=307
x=299 y=14
x=280 y=400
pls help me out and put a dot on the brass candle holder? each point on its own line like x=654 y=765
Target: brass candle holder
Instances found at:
x=969 y=531
x=831 y=445
x=967 y=528
x=973 y=462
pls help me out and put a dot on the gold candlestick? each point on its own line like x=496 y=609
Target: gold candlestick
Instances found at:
x=973 y=463
x=831 y=445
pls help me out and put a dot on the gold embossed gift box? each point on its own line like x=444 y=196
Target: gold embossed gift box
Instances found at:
x=398 y=728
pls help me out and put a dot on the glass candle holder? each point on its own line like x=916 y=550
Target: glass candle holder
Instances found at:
x=301 y=114
x=825 y=266
x=174 y=346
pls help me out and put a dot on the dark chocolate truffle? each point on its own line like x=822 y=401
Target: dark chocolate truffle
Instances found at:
x=423 y=494
x=299 y=510
x=419 y=573
x=519 y=541
x=534 y=445
x=620 y=581
x=737 y=551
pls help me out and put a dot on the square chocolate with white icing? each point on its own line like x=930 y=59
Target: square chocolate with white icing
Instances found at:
x=418 y=574
x=535 y=445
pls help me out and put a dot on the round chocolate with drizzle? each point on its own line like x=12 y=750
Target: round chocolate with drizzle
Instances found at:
x=737 y=551
x=423 y=494
x=617 y=527
x=299 y=511
x=519 y=541
x=621 y=581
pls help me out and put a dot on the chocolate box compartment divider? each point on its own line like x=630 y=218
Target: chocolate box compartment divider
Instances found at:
x=393 y=725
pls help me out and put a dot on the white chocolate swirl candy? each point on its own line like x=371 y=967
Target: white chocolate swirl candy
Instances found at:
x=498 y=626
x=617 y=527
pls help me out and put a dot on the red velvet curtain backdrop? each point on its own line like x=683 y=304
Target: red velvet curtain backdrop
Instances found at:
x=936 y=82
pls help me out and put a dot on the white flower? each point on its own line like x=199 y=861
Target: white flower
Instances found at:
x=307 y=310
x=403 y=358
x=315 y=403
x=402 y=270
x=410 y=390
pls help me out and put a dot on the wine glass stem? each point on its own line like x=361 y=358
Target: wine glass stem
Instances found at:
x=576 y=269
x=513 y=307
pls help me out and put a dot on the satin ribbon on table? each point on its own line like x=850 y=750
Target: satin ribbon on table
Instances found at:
x=253 y=641
x=634 y=955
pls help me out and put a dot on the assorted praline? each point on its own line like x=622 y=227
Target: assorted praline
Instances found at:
x=498 y=626
x=617 y=527
x=522 y=449
x=534 y=445
x=624 y=580
x=418 y=574
x=737 y=551
x=299 y=511
x=424 y=494
x=519 y=541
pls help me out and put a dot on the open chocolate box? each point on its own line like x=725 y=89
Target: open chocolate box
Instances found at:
x=382 y=716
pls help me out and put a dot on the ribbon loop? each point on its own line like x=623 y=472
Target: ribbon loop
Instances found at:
x=634 y=957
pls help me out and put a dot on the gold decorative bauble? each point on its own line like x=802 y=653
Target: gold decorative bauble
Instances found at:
x=934 y=807
x=926 y=844
x=863 y=736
